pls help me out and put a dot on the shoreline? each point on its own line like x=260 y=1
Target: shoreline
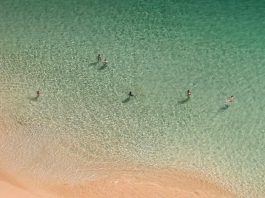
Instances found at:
x=134 y=184
x=122 y=181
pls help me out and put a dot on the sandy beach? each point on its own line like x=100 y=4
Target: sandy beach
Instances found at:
x=13 y=188
x=131 y=184
x=124 y=181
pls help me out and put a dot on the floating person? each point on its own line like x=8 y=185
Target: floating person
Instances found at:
x=230 y=100
x=188 y=93
x=105 y=62
x=99 y=58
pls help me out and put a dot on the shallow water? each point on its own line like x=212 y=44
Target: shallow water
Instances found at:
x=157 y=50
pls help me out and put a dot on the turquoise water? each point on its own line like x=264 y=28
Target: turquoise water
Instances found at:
x=157 y=50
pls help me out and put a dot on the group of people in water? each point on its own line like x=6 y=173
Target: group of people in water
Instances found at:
x=230 y=100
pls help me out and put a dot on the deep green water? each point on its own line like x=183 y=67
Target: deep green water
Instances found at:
x=157 y=50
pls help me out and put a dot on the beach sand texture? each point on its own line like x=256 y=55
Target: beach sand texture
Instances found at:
x=151 y=184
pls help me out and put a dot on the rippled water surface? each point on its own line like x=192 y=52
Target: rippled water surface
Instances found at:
x=84 y=119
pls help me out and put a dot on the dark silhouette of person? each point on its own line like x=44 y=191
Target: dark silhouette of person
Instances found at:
x=130 y=94
x=188 y=93
x=38 y=94
x=99 y=58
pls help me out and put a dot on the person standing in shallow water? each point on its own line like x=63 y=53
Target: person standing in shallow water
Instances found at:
x=99 y=58
x=38 y=94
x=188 y=93
x=130 y=94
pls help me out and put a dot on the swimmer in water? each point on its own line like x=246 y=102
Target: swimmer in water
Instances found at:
x=229 y=101
x=105 y=62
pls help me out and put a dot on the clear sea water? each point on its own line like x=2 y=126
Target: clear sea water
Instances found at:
x=156 y=49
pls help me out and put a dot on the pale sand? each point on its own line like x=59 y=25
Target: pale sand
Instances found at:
x=12 y=188
x=137 y=184
x=118 y=184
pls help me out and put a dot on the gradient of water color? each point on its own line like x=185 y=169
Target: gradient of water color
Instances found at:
x=157 y=50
